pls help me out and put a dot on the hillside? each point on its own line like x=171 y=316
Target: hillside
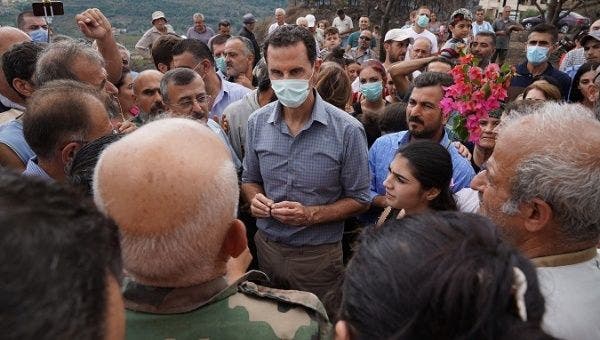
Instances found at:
x=134 y=16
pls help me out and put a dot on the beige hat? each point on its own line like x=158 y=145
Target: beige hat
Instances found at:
x=158 y=15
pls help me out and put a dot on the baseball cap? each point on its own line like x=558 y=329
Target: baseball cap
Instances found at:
x=398 y=34
x=461 y=12
x=591 y=35
x=249 y=18
x=158 y=15
x=311 y=20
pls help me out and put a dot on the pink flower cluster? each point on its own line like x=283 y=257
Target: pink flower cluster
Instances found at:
x=475 y=93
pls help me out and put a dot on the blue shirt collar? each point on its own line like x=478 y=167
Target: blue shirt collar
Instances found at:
x=318 y=112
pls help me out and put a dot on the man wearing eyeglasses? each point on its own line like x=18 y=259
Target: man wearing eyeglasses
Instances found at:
x=363 y=51
x=184 y=94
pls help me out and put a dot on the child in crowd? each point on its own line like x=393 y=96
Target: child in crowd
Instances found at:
x=332 y=40
x=460 y=27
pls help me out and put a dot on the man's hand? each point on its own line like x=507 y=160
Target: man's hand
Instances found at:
x=260 y=206
x=126 y=127
x=292 y=213
x=93 y=24
x=462 y=150
x=225 y=123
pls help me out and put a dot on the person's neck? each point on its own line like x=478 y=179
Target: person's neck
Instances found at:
x=213 y=84
x=536 y=70
x=437 y=137
x=480 y=155
x=264 y=97
x=295 y=118
x=418 y=29
x=53 y=169
x=373 y=106
x=479 y=22
x=548 y=246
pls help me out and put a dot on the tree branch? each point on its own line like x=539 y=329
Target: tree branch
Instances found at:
x=539 y=8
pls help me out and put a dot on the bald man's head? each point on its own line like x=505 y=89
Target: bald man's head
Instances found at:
x=10 y=36
x=172 y=189
x=146 y=91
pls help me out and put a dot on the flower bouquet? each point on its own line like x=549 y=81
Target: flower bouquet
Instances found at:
x=476 y=92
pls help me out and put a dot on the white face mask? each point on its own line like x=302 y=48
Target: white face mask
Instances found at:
x=291 y=92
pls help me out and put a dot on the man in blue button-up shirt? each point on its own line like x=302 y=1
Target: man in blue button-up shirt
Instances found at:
x=305 y=171
x=425 y=121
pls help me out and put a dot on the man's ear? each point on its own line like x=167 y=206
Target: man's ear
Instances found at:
x=235 y=241
x=163 y=68
x=23 y=87
x=537 y=214
x=68 y=152
x=342 y=331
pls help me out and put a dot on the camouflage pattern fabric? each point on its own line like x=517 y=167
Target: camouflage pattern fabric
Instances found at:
x=214 y=310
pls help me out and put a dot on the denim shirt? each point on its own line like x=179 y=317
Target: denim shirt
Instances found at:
x=385 y=148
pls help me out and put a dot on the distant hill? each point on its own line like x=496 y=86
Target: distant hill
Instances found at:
x=134 y=16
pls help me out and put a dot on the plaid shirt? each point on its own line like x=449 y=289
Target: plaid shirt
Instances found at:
x=325 y=162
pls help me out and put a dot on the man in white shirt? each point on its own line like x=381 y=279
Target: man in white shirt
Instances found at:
x=541 y=187
x=419 y=29
x=481 y=25
x=279 y=20
x=344 y=24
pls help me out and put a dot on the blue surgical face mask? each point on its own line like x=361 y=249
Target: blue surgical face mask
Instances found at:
x=39 y=35
x=537 y=54
x=291 y=92
x=423 y=21
x=372 y=91
x=221 y=64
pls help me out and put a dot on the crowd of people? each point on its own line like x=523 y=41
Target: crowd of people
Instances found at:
x=299 y=187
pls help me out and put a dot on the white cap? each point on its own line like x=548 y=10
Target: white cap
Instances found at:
x=311 y=20
x=158 y=15
x=398 y=34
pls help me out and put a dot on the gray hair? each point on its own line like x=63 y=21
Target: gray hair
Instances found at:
x=248 y=47
x=182 y=258
x=189 y=252
x=179 y=76
x=280 y=10
x=56 y=61
x=198 y=16
x=488 y=34
x=563 y=169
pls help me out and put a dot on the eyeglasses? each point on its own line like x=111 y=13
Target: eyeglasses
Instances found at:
x=188 y=105
x=364 y=38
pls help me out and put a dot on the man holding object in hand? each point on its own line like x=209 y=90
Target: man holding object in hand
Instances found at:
x=305 y=171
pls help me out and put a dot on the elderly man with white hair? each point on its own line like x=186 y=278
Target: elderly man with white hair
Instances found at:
x=200 y=31
x=175 y=205
x=279 y=20
x=541 y=187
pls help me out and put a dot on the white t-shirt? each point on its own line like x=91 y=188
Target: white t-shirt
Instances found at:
x=485 y=26
x=343 y=25
x=425 y=34
x=274 y=26
x=572 y=299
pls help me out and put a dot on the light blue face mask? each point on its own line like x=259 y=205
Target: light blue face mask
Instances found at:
x=221 y=64
x=423 y=21
x=537 y=54
x=372 y=91
x=39 y=35
x=290 y=92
